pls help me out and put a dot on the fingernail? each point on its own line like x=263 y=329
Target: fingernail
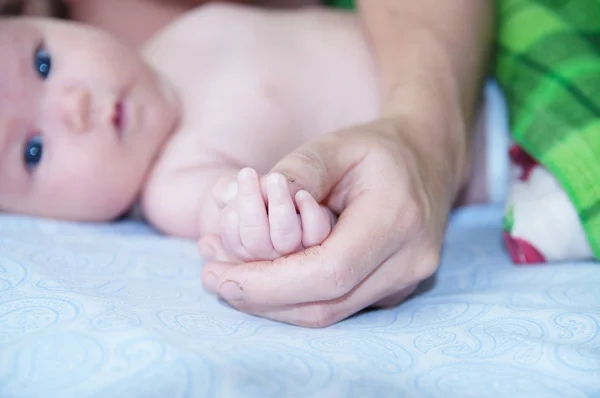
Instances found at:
x=302 y=195
x=276 y=180
x=231 y=192
x=246 y=173
x=231 y=291
x=277 y=187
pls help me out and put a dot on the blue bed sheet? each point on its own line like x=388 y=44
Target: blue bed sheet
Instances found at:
x=118 y=311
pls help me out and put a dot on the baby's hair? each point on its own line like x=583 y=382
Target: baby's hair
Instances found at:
x=53 y=8
x=11 y=8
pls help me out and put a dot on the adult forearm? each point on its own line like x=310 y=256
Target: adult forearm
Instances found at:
x=432 y=56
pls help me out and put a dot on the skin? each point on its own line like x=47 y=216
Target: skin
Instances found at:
x=71 y=109
x=405 y=170
x=176 y=141
x=278 y=71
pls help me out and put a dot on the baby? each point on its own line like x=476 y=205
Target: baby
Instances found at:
x=187 y=128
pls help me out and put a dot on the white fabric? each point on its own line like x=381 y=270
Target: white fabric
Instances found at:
x=498 y=142
x=118 y=311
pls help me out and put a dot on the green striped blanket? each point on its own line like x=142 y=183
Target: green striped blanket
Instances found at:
x=548 y=63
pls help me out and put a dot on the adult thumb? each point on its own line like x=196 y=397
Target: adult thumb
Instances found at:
x=317 y=166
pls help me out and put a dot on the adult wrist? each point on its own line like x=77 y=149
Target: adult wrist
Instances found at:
x=427 y=94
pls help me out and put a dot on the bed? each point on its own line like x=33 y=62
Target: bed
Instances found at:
x=118 y=311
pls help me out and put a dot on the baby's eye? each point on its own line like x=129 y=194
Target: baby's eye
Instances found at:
x=33 y=152
x=42 y=62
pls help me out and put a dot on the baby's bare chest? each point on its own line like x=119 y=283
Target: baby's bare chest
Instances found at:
x=244 y=112
x=254 y=93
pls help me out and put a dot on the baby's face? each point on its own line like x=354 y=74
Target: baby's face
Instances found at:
x=81 y=120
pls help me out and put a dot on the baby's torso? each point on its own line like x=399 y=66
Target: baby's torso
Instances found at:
x=254 y=85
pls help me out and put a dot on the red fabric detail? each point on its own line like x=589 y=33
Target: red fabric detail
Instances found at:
x=524 y=160
x=522 y=252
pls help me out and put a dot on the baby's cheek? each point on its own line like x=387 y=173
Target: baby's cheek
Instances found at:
x=94 y=189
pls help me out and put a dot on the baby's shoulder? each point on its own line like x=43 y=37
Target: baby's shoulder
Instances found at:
x=179 y=150
x=207 y=23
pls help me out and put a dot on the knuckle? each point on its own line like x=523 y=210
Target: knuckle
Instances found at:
x=283 y=223
x=253 y=239
x=410 y=217
x=312 y=166
x=381 y=140
x=252 y=231
x=321 y=316
x=339 y=280
x=397 y=297
x=229 y=218
x=414 y=213
x=257 y=248
x=223 y=191
x=427 y=264
x=285 y=244
x=379 y=148
x=282 y=237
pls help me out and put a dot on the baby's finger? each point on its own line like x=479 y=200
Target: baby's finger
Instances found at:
x=316 y=220
x=252 y=216
x=224 y=191
x=211 y=248
x=230 y=232
x=286 y=233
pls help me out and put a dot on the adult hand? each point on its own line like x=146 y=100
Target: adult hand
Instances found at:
x=393 y=201
x=392 y=182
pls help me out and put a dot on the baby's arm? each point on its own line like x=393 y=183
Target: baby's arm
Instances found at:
x=179 y=202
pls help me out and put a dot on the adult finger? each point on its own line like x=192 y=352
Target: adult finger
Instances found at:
x=390 y=282
x=324 y=314
x=318 y=166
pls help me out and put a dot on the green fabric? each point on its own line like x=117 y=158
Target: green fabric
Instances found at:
x=548 y=63
x=346 y=4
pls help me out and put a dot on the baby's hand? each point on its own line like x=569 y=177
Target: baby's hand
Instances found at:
x=261 y=220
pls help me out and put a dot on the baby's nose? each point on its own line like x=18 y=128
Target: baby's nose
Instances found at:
x=76 y=108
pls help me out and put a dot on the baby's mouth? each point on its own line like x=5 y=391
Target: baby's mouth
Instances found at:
x=118 y=118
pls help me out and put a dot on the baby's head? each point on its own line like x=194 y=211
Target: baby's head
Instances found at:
x=82 y=118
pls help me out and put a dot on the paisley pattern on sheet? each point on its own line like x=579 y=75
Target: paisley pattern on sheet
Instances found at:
x=118 y=311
